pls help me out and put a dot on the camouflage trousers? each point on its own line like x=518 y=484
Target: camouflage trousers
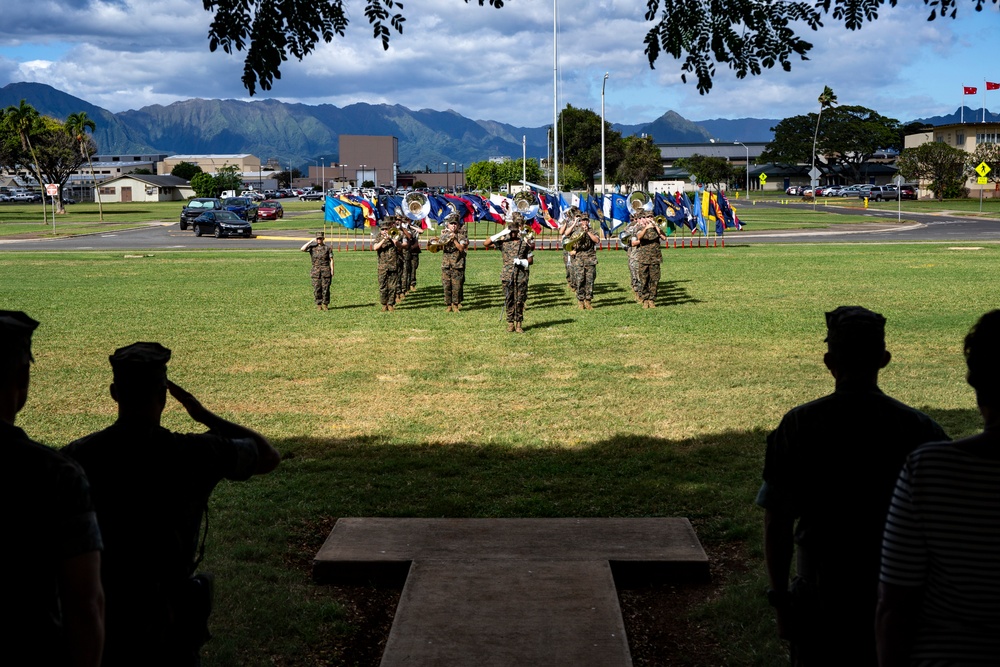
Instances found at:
x=403 y=271
x=321 y=288
x=388 y=282
x=570 y=272
x=515 y=295
x=649 y=280
x=453 y=280
x=633 y=269
x=585 y=276
x=414 y=263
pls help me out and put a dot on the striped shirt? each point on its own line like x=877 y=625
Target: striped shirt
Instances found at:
x=943 y=534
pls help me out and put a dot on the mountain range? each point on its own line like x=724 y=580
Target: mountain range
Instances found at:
x=302 y=134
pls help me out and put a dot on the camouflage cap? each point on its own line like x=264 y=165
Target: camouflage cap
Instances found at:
x=15 y=336
x=515 y=221
x=572 y=212
x=452 y=219
x=140 y=363
x=855 y=327
x=385 y=222
x=320 y=235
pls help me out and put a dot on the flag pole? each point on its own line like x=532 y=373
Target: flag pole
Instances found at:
x=984 y=99
x=961 y=109
x=555 y=97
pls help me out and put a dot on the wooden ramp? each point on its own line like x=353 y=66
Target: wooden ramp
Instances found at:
x=509 y=592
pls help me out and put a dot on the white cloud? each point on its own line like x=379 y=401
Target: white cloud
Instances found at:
x=492 y=64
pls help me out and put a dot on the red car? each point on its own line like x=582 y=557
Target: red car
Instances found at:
x=270 y=210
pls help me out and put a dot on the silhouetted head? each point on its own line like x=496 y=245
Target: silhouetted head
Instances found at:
x=855 y=339
x=15 y=361
x=982 y=356
x=140 y=377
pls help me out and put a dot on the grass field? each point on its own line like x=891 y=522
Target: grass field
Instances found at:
x=613 y=412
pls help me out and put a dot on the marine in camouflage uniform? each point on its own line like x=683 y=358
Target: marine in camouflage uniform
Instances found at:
x=388 y=268
x=633 y=262
x=322 y=270
x=518 y=255
x=453 y=262
x=571 y=215
x=585 y=260
x=414 y=230
x=649 y=257
x=402 y=259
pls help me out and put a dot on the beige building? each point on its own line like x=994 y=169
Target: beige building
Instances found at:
x=965 y=136
x=367 y=158
x=133 y=187
x=210 y=164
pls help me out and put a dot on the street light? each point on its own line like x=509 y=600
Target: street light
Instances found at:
x=748 y=166
x=461 y=168
x=603 y=83
x=322 y=163
x=445 y=175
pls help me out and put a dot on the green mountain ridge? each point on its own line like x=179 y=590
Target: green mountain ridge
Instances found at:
x=301 y=134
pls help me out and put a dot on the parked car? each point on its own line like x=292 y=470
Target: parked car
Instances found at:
x=313 y=195
x=244 y=207
x=270 y=210
x=907 y=192
x=850 y=191
x=794 y=190
x=196 y=207
x=64 y=200
x=832 y=190
x=27 y=196
x=221 y=223
x=876 y=193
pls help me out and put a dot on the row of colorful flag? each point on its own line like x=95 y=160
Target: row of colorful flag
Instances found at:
x=972 y=90
x=610 y=211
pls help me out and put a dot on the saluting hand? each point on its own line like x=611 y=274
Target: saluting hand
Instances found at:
x=195 y=409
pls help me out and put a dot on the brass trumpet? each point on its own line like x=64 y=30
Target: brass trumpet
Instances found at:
x=439 y=243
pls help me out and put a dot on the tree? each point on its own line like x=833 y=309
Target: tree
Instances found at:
x=511 y=171
x=142 y=171
x=419 y=185
x=22 y=120
x=705 y=169
x=229 y=177
x=747 y=35
x=826 y=100
x=580 y=142
x=990 y=154
x=59 y=155
x=483 y=175
x=946 y=167
x=571 y=177
x=847 y=141
x=185 y=170
x=204 y=185
x=77 y=125
x=641 y=162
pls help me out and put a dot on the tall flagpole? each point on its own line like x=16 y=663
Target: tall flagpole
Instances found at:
x=961 y=117
x=984 y=99
x=555 y=97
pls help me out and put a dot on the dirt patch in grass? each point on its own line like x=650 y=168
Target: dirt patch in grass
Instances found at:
x=660 y=622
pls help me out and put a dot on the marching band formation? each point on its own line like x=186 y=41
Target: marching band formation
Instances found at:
x=397 y=247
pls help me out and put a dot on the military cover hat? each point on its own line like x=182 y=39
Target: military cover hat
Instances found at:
x=854 y=327
x=515 y=222
x=386 y=222
x=15 y=334
x=452 y=219
x=144 y=363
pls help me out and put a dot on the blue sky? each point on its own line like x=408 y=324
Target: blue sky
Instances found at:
x=497 y=64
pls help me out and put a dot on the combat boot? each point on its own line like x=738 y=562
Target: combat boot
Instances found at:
x=586 y=304
x=319 y=306
x=580 y=306
x=392 y=309
x=517 y=328
x=652 y=304
x=448 y=309
x=510 y=326
x=458 y=307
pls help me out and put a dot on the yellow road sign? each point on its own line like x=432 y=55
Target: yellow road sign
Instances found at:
x=763 y=179
x=981 y=180
x=983 y=169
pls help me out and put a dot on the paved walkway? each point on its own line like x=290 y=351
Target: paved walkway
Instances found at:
x=509 y=592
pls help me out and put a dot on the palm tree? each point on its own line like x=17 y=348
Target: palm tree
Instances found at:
x=826 y=100
x=21 y=119
x=77 y=124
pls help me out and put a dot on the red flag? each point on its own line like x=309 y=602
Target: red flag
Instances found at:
x=969 y=90
x=992 y=86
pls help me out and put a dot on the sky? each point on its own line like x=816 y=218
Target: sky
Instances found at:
x=490 y=64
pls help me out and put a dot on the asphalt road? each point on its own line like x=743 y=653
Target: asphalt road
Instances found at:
x=884 y=229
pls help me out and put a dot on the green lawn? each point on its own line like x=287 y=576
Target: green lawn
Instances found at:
x=617 y=411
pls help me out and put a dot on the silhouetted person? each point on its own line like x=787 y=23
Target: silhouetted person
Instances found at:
x=52 y=595
x=151 y=487
x=939 y=597
x=829 y=472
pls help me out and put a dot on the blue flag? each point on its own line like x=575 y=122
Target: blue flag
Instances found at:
x=616 y=210
x=343 y=213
